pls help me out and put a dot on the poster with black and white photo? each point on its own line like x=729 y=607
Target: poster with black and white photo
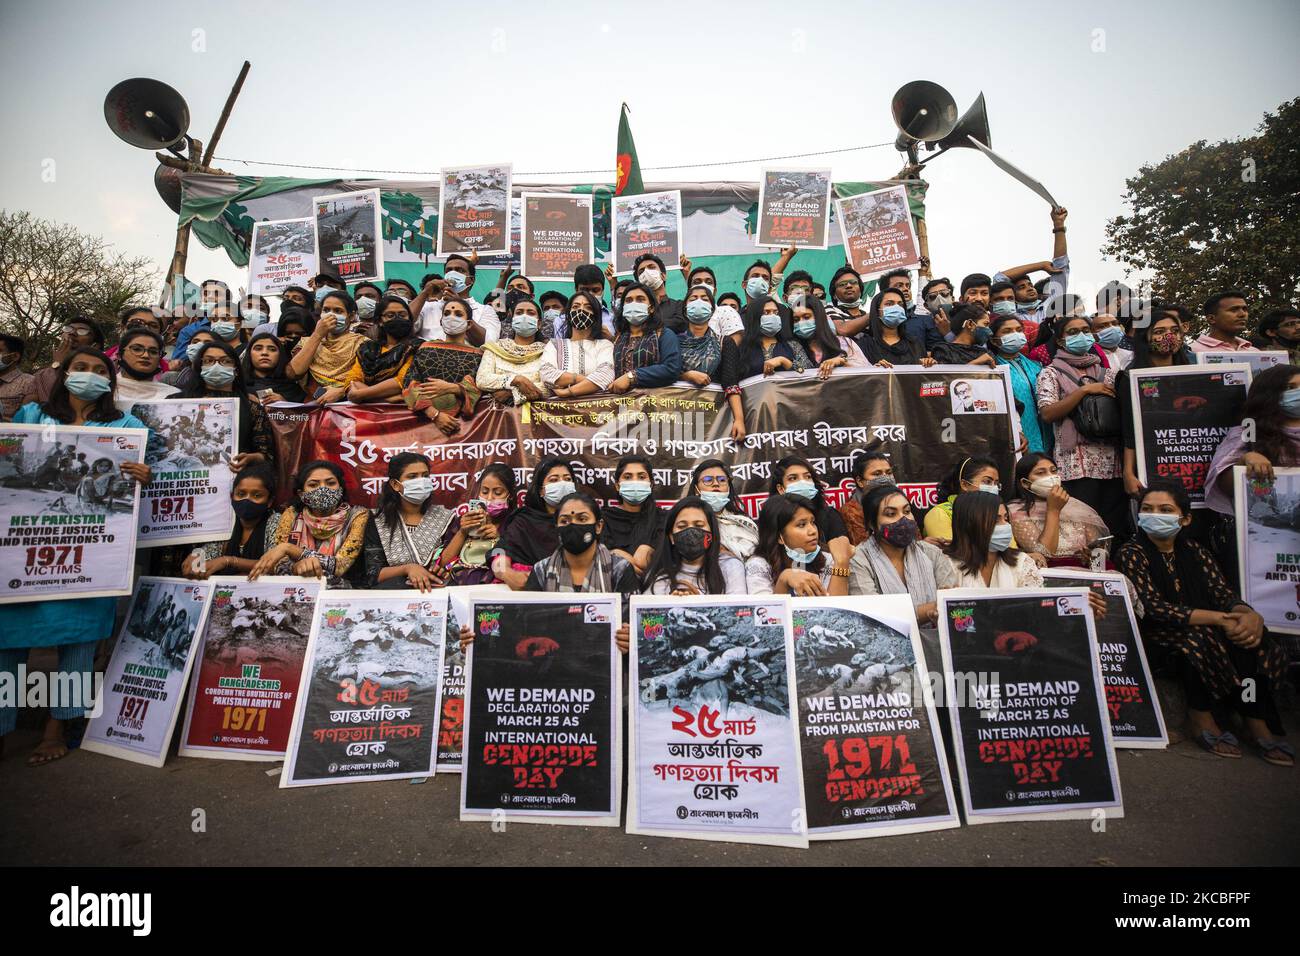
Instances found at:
x=69 y=513
x=1029 y=717
x=250 y=660
x=348 y=235
x=192 y=444
x=1134 y=708
x=647 y=224
x=474 y=210
x=144 y=682
x=794 y=208
x=873 y=756
x=715 y=743
x=451 y=729
x=283 y=253
x=1180 y=416
x=370 y=706
x=1268 y=545
x=878 y=231
x=1258 y=361
x=556 y=235
x=543 y=706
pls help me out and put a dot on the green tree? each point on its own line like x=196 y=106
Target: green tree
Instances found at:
x=50 y=272
x=1220 y=216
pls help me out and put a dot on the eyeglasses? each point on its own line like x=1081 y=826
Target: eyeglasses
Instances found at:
x=142 y=350
x=208 y=363
x=714 y=481
x=80 y=331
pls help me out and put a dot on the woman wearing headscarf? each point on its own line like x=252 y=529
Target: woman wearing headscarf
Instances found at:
x=327 y=355
x=319 y=534
x=264 y=367
x=381 y=365
x=82 y=395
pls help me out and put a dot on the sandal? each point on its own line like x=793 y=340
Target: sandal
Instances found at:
x=1277 y=752
x=1208 y=741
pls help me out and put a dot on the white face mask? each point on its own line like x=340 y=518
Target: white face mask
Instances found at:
x=651 y=278
x=454 y=324
x=1043 y=486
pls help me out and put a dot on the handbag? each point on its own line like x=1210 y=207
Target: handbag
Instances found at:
x=1096 y=417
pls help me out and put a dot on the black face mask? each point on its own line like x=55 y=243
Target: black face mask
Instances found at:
x=576 y=538
x=692 y=543
x=397 y=328
x=581 y=320
x=246 y=509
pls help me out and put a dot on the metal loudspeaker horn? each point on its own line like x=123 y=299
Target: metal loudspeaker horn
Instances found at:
x=147 y=113
x=973 y=123
x=167 y=180
x=924 y=112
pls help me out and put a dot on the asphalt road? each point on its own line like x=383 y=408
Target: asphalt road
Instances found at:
x=1183 y=807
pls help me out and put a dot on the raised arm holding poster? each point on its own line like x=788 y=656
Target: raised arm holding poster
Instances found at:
x=474 y=210
x=794 y=208
x=1268 y=545
x=369 y=707
x=144 y=682
x=878 y=231
x=348 y=235
x=283 y=254
x=1029 y=717
x=715 y=747
x=556 y=236
x=245 y=687
x=542 y=738
x=193 y=442
x=1180 y=415
x=451 y=729
x=69 y=514
x=1135 y=717
x=647 y=223
x=873 y=756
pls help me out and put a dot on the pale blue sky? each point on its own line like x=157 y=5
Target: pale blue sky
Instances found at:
x=540 y=84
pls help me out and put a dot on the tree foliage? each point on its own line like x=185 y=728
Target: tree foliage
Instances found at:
x=51 y=272
x=1220 y=216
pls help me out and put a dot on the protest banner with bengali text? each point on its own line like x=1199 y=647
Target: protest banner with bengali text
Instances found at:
x=193 y=441
x=646 y=224
x=1268 y=547
x=144 y=682
x=1131 y=700
x=250 y=661
x=1029 y=717
x=1180 y=416
x=712 y=717
x=543 y=706
x=70 y=516
x=348 y=235
x=794 y=208
x=873 y=756
x=369 y=706
x=283 y=254
x=879 y=234
x=474 y=210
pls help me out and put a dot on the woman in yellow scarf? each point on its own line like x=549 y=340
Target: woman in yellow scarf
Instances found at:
x=327 y=355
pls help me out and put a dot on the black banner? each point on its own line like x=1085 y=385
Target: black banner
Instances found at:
x=1029 y=719
x=1180 y=415
x=871 y=750
x=540 y=723
x=1135 y=719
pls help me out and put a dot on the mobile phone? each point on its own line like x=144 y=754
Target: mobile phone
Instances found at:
x=477 y=504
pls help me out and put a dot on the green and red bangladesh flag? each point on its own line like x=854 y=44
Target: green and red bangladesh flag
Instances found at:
x=627 y=166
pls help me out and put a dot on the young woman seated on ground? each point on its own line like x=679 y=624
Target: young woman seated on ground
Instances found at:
x=790 y=558
x=689 y=558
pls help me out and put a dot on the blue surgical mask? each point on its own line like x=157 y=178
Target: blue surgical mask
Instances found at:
x=1026 y=307
x=321 y=292
x=218 y=375
x=805 y=328
x=1290 y=403
x=551 y=315
x=801 y=489
x=88 y=385
x=192 y=349
x=557 y=491
x=1158 y=525
x=802 y=557
x=636 y=312
x=634 y=491
x=1012 y=342
x=1111 y=336
x=1005 y=307
x=699 y=310
x=1079 y=343
x=981 y=334
x=770 y=324
x=455 y=279
x=524 y=324
x=341 y=323
x=717 y=500
x=893 y=316
x=756 y=286
x=1001 y=539
x=990 y=489
x=224 y=329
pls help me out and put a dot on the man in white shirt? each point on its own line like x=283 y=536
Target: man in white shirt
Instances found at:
x=455 y=283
